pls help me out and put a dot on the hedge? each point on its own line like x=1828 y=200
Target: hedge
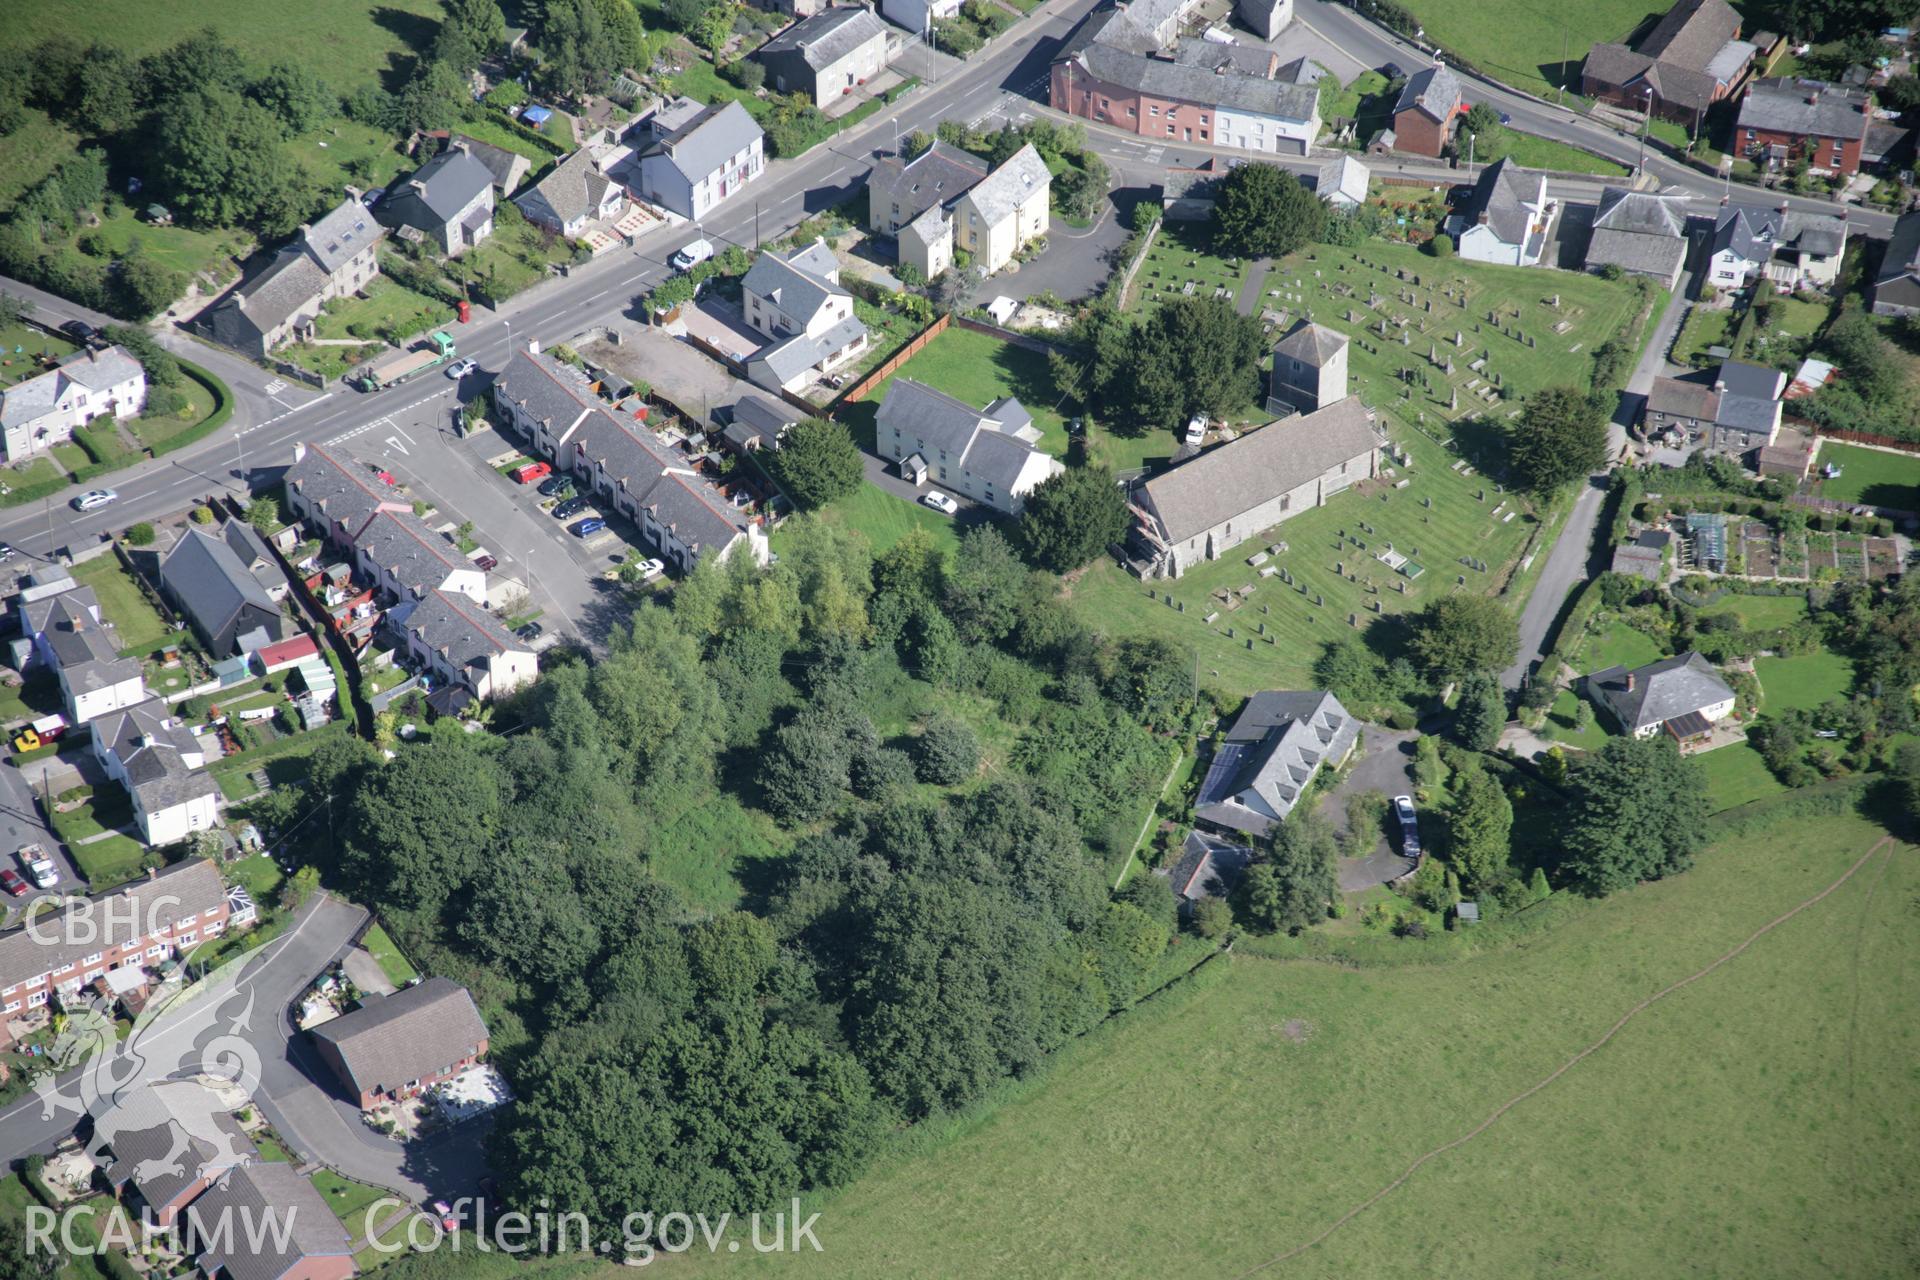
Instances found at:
x=19 y=494
x=222 y=410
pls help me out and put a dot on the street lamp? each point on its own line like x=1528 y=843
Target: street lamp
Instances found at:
x=1646 y=123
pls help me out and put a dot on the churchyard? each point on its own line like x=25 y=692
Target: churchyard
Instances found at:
x=1182 y=262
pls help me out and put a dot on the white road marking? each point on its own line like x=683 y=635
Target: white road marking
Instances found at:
x=275 y=387
x=394 y=441
x=325 y=395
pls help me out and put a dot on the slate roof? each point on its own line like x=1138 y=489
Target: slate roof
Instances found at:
x=276 y=1218
x=212 y=583
x=460 y=631
x=152 y=750
x=1240 y=475
x=1684 y=58
x=1001 y=192
x=507 y=167
x=979 y=443
x=436 y=193
x=1662 y=691
x=1899 y=276
x=1300 y=70
x=138 y=909
x=793 y=282
x=1690 y=396
x=573 y=189
x=1806 y=108
x=90 y=368
x=791 y=357
x=826 y=37
x=298 y=272
x=936 y=176
x=1207 y=867
x=764 y=416
x=1158 y=78
x=336 y=489
x=1749 y=397
x=153 y=1121
x=1642 y=212
x=1311 y=344
x=1345 y=176
x=1243 y=59
x=409 y=1035
x=1265 y=761
x=1691 y=33
x=1501 y=199
x=705 y=143
x=417 y=557
x=83 y=649
x=1754 y=233
x=1434 y=91
x=37 y=614
x=341 y=234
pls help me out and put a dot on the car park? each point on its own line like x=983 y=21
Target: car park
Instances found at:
x=94 y=499
x=557 y=487
x=10 y=881
x=569 y=509
x=461 y=368
x=588 y=527
x=940 y=501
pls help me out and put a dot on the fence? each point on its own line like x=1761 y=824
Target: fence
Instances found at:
x=884 y=370
x=1139 y=259
x=1864 y=437
x=1014 y=338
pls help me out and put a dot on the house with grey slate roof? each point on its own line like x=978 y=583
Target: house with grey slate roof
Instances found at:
x=990 y=455
x=1267 y=759
x=1507 y=219
x=1424 y=113
x=1794 y=250
x=1208 y=867
x=1680 y=696
x=946 y=199
x=225 y=596
x=464 y=644
x=395 y=1047
x=899 y=190
x=1204 y=507
x=1784 y=121
x=172 y=1139
x=1342 y=183
x=448 y=201
x=697 y=158
x=1734 y=409
x=1692 y=58
x=795 y=299
x=826 y=56
x=1309 y=369
x=334 y=257
x=1896 y=289
x=1640 y=232
x=627 y=468
x=1265 y=18
x=63 y=630
x=42 y=411
x=334 y=494
x=1004 y=210
x=509 y=168
x=160 y=763
x=401 y=556
x=1213 y=55
x=572 y=195
x=265 y=1220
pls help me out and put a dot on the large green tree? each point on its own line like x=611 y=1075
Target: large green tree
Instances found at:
x=1292 y=888
x=1263 y=211
x=1638 y=812
x=818 y=462
x=1560 y=437
x=1479 y=827
x=1460 y=634
x=1189 y=356
x=1481 y=713
x=1072 y=517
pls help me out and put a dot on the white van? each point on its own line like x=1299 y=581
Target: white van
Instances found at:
x=691 y=255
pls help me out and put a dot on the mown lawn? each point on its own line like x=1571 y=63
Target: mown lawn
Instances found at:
x=21 y=349
x=395 y=966
x=1564 y=720
x=1754 y=1124
x=1735 y=775
x=1804 y=682
x=884 y=519
x=1545 y=153
x=1524 y=44
x=1704 y=327
x=386 y=306
x=977 y=368
x=109 y=861
x=1619 y=645
x=1760 y=613
x=1872 y=476
x=137 y=623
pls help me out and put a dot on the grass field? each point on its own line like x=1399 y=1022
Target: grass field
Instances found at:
x=1871 y=475
x=1704 y=327
x=393 y=964
x=385 y=305
x=137 y=622
x=884 y=519
x=976 y=368
x=705 y=847
x=1618 y=645
x=1564 y=718
x=1753 y=1124
x=1545 y=153
x=1803 y=683
x=1735 y=775
x=1524 y=44
x=1183 y=255
x=1760 y=613
x=30 y=153
x=347 y=43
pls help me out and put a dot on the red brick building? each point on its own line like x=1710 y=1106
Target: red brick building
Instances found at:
x=395 y=1047
x=1692 y=58
x=1424 y=114
x=1784 y=121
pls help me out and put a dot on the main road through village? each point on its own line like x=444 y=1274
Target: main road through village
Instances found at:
x=1007 y=80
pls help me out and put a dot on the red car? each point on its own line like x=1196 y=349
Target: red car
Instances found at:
x=13 y=882
x=485 y=563
x=533 y=471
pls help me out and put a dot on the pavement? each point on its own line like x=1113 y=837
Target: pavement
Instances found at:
x=1386 y=766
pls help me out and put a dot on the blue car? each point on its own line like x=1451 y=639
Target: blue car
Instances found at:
x=588 y=527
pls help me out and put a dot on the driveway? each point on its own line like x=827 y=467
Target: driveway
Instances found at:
x=1076 y=261
x=1386 y=767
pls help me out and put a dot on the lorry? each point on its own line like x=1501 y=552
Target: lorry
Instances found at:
x=45 y=730
x=430 y=352
x=38 y=866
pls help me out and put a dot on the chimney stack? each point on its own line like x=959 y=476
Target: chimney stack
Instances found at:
x=1783 y=206
x=1631 y=681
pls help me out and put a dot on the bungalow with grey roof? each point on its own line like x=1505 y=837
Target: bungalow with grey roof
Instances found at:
x=334 y=257
x=1202 y=508
x=1267 y=759
x=1680 y=696
x=990 y=455
x=42 y=411
x=827 y=55
x=448 y=201
x=462 y=643
x=574 y=193
x=698 y=158
x=1640 y=232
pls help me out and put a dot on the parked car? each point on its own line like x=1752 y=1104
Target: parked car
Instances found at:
x=461 y=368
x=940 y=501
x=557 y=487
x=94 y=499
x=569 y=509
x=486 y=563
x=1196 y=430
x=588 y=527
x=372 y=197
x=40 y=869
x=79 y=330
x=650 y=569
x=10 y=881
x=6 y=551
x=530 y=632
x=1409 y=826
x=532 y=471
x=691 y=255
x=444 y=1211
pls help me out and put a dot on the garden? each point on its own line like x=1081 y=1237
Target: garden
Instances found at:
x=1877 y=477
